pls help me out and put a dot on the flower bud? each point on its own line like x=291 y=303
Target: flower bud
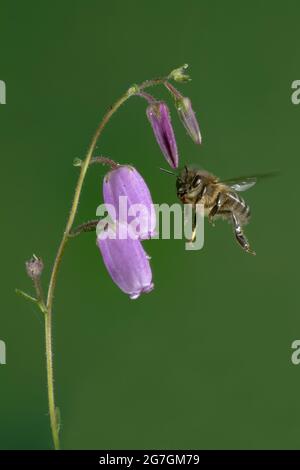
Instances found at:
x=128 y=265
x=124 y=185
x=34 y=267
x=188 y=118
x=179 y=74
x=159 y=117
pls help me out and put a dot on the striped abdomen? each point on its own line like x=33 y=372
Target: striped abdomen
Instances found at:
x=236 y=204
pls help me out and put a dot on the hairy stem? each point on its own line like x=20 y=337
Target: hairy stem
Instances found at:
x=50 y=380
x=89 y=226
x=105 y=161
x=102 y=160
x=153 y=82
x=147 y=97
x=172 y=90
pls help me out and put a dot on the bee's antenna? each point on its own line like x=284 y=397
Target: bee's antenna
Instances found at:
x=168 y=171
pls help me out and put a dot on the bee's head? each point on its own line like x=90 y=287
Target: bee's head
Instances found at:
x=189 y=184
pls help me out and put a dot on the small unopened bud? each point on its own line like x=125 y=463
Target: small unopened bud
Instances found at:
x=159 y=117
x=188 y=118
x=34 y=267
x=179 y=75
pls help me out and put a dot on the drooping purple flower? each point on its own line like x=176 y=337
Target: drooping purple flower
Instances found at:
x=128 y=265
x=159 y=117
x=125 y=191
x=188 y=118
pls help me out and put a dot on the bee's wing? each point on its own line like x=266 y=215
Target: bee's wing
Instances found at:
x=243 y=183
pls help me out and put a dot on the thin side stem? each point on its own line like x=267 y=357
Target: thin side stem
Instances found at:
x=89 y=226
x=105 y=161
x=147 y=97
x=40 y=295
x=153 y=82
x=26 y=296
x=172 y=90
x=102 y=160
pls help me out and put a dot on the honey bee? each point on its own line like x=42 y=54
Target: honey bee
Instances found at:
x=219 y=198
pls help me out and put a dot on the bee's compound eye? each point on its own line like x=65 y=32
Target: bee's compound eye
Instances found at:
x=180 y=191
x=196 y=181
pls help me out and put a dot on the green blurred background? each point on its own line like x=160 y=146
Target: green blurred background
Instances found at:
x=204 y=360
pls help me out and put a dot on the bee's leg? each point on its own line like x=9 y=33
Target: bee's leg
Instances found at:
x=240 y=237
x=194 y=225
x=215 y=209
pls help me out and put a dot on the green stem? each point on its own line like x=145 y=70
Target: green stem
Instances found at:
x=50 y=380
